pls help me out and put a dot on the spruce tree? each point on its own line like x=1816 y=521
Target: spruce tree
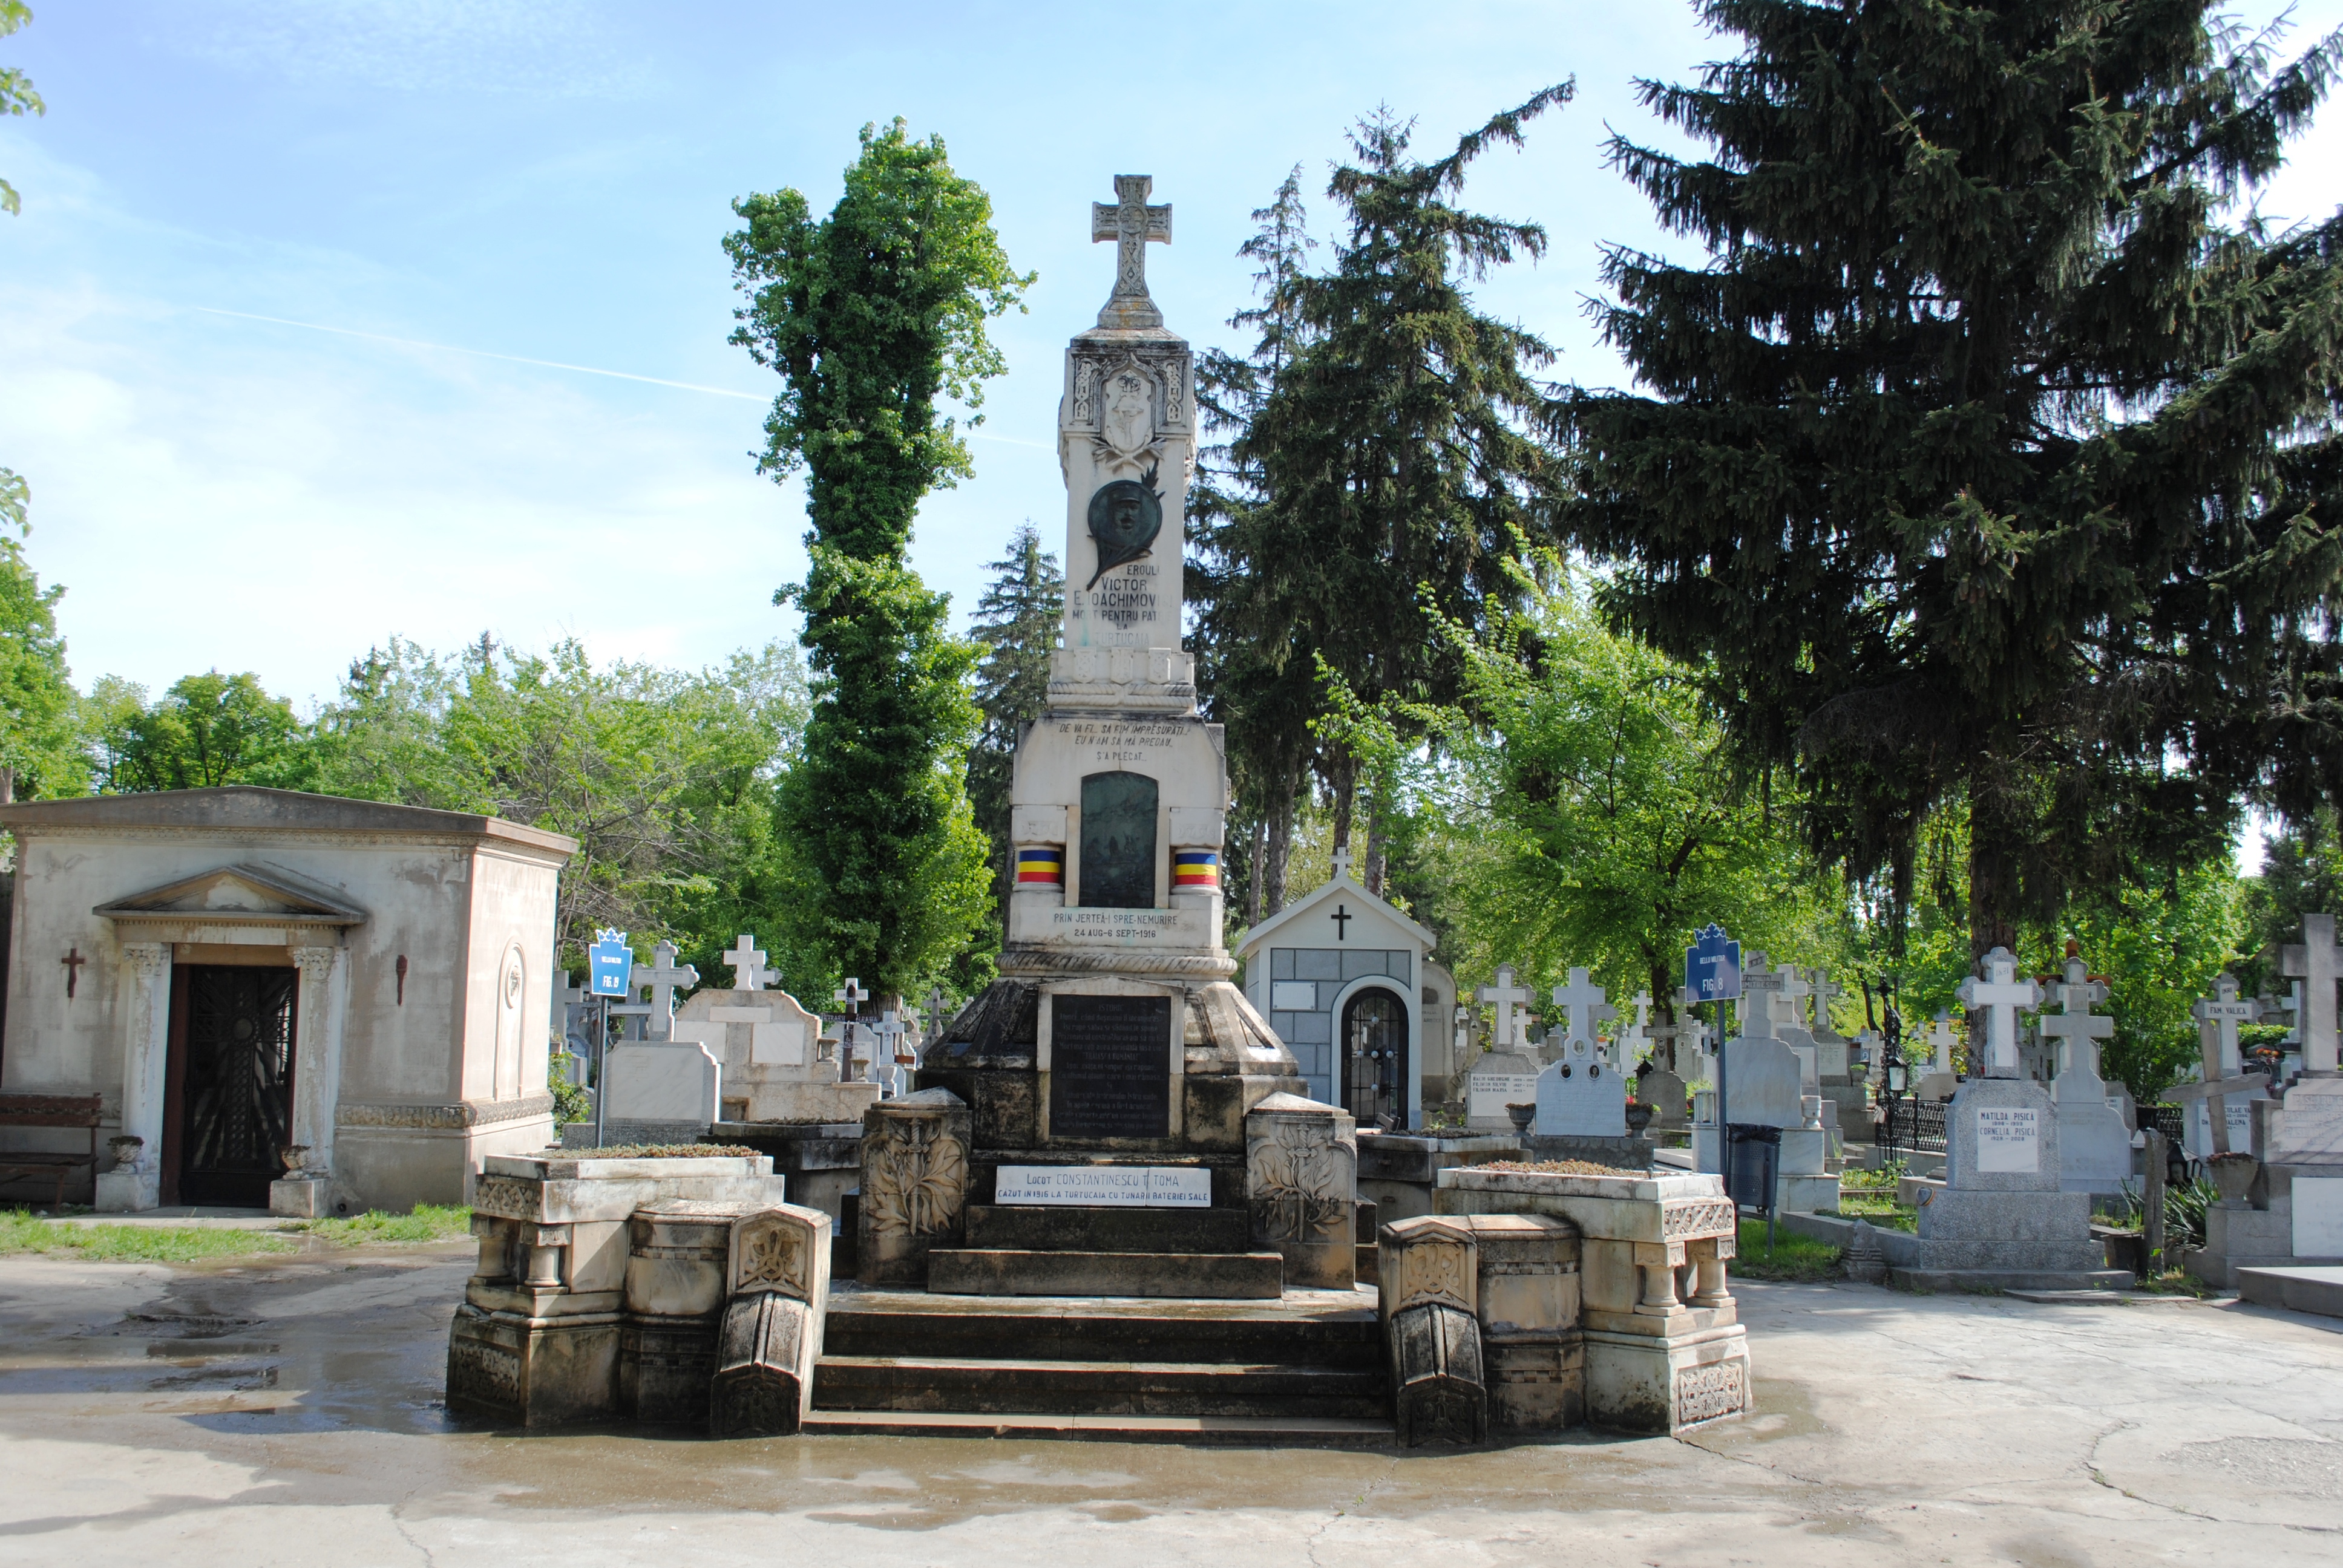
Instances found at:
x=1016 y=623
x=1988 y=458
x=1384 y=463
x=870 y=317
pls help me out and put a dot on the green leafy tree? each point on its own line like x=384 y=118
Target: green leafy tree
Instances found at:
x=1609 y=821
x=17 y=93
x=1385 y=465
x=1016 y=624
x=1264 y=699
x=666 y=779
x=40 y=735
x=1985 y=459
x=869 y=316
x=207 y=731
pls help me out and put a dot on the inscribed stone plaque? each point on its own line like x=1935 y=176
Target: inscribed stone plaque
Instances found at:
x=1105 y=1186
x=1491 y=1093
x=1110 y=1066
x=2008 y=1139
x=1293 y=996
x=1118 y=864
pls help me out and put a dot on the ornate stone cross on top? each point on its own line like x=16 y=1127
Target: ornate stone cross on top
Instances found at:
x=1131 y=224
x=748 y=964
x=2081 y=1028
x=2317 y=964
x=1582 y=999
x=1505 y=996
x=1997 y=994
x=664 y=976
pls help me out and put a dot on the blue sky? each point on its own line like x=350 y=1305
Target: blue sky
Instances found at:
x=551 y=183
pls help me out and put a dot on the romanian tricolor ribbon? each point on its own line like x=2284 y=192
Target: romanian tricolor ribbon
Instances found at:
x=1195 y=869
x=1047 y=865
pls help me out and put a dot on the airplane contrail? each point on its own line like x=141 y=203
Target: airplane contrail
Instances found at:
x=546 y=364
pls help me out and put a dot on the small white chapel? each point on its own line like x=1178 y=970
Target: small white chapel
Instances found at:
x=1348 y=982
x=279 y=1000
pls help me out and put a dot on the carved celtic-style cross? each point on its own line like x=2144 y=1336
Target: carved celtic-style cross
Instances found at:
x=1131 y=224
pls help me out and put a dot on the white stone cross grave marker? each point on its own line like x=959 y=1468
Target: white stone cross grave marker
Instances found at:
x=1759 y=985
x=1635 y=1040
x=664 y=976
x=1999 y=995
x=1793 y=991
x=2315 y=962
x=748 y=971
x=1584 y=999
x=2217 y=1018
x=1941 y=1040
x=1826 y=993
x=889 y=1030
x=1504 y=995
x=2080 y=1030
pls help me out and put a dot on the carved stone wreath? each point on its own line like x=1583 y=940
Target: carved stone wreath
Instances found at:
x=915 y=1180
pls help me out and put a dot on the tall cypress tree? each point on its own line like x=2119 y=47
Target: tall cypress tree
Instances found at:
x=1016 y=622
x=870 y=317
x=1987 y=459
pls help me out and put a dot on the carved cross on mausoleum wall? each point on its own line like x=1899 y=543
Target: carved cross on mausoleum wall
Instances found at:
x=1131 y=224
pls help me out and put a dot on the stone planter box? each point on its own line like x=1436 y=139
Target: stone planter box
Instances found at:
x=1662 y=1345
x=549 y=1324
x=1400 y=1171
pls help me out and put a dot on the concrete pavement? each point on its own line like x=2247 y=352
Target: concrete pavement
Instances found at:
x=283 y=1410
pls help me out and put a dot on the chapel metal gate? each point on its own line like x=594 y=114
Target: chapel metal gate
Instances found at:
x=236 y=1082
x=1374 y=1058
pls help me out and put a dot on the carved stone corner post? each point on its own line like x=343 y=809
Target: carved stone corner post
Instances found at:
x=914 y=1184
x=777 y=1298
x=1430 y=1304
x=1301 y=1184
x=137 y=1181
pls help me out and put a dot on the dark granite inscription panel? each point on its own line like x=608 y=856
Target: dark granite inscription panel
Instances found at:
x=1118 y=864
x=1110 y=1066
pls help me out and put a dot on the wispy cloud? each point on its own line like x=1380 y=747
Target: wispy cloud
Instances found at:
x=533 y=48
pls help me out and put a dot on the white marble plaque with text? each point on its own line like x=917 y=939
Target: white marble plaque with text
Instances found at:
x=1105 y=1186
x=2008 y=1139
x=1491 y=1093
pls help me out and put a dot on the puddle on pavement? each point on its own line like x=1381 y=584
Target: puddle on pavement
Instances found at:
x=342 y=1401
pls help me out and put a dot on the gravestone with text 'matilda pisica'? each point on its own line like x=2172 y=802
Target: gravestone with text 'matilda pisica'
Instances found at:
x=1110 y=1084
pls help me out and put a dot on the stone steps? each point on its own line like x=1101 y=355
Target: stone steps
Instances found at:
x=1319 y=1328
x=1304 y=1367
x=927 y=1384
x=1316 y=1432
x=1073 y=1228
x=1023 y=1271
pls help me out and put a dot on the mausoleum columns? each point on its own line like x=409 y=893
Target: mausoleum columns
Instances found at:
x=320 y=1015
x=145 y=1057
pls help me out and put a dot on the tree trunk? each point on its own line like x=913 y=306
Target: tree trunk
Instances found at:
x=1257 y=872
x=1281 y=844
x=1378 y=841
x=1995 y=845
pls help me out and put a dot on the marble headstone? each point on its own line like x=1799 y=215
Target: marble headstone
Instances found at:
x=661 y=1091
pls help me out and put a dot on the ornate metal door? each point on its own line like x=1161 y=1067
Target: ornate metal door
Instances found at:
x=237 y=1086
x=1374 y=1057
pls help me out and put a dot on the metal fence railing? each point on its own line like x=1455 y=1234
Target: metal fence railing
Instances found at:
x=1908 y=1126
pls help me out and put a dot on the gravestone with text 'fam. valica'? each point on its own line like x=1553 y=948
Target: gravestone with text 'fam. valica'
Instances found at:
x=1113 y=1037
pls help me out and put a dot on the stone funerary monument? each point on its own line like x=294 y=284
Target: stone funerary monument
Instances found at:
x=1113 y=1062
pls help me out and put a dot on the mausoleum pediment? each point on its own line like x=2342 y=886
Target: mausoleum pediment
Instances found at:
x=233 y=895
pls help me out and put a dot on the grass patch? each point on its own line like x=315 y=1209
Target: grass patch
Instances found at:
x=2179 y=1283
x=1793 y=1259
x=427 y=1223
x=21 y=1231
x=1880 y=1209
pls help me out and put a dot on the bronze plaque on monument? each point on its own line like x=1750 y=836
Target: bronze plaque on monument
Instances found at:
x=1110 y=1066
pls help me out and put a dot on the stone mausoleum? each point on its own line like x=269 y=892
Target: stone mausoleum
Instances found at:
x=281 y=1000
x=1347 y=981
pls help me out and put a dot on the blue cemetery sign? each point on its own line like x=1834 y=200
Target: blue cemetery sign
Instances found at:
x=609 y=963
x=1713 y=966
